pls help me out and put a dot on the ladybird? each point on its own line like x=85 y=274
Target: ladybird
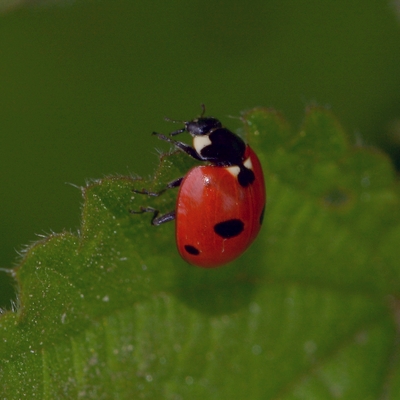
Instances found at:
x=220 y=206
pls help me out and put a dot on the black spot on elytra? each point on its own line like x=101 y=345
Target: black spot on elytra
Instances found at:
x=229 y=229
x=246 y=176
x=262 y=215
x=192 y=250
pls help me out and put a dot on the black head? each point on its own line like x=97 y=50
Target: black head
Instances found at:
x=202 y=126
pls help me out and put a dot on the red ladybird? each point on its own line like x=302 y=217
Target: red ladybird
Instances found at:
x=220 y=206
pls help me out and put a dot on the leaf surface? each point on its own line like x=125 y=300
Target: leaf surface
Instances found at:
x=310 y=311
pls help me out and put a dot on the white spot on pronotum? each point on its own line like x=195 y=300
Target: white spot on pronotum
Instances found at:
x=248 y=164
x=199 y=142
x=234 y=170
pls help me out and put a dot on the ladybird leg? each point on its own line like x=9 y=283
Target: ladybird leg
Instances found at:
x=180 y=145
x=174 y=133
x=171 y=185
x=156 y=220
x=174 y=121
x=175 y=183
x=163 y=218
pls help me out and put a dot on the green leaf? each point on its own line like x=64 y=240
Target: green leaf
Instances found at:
x=310 y=311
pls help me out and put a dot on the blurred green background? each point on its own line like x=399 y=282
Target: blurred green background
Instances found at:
x=83 y=84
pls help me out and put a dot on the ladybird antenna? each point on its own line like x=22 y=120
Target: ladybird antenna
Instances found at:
x=175 y=121
x=203 y=108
